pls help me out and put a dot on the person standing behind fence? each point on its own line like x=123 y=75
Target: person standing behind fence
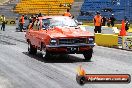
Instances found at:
x=21 y=21
x=67 y=13
x=97 y=22
x=127 y=24
x=108 y=22
x=3 y=23
x=104 y=21
x=113 y=19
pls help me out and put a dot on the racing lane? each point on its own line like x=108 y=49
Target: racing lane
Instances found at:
x=18 y=69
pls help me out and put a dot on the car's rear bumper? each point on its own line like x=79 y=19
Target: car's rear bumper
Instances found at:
x=70 y=49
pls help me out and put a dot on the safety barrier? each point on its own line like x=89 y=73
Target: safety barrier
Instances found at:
x=115 y=41
x=130 y=30
x=107 y=40
x=125 y=42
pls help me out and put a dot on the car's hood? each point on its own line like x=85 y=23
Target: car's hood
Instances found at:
x=68 y=32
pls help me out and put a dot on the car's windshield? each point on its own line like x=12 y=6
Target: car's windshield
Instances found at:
x=59 y=21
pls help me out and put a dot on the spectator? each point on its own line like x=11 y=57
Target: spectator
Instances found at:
x=60 y=5
x=67 y=13
x=97 y=22
x=3 y=23
x=108 y=22
x=112 y=18
x=127 y=24
x=30 y=19
x=104 y=21
x=26 y=17
x=39 y=15
x=34 y=19
x=21 y=21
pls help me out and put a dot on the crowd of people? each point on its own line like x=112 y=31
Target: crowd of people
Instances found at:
x=98 y=20
x=32 y=18
x=22 y=20
x=109 y=21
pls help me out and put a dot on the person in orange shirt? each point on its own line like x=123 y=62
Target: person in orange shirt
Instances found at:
x=97 y=22
x=67 y=13
x=21 y=21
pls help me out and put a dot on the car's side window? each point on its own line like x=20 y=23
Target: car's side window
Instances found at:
x=36 y=26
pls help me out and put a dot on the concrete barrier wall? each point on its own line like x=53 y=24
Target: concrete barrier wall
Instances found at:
x=108 y=40
x=130 y=30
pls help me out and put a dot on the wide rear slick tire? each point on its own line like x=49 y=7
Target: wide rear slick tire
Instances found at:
x=31 y=49
x=88 y=55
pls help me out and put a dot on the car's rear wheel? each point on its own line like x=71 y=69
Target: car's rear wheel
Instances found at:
x=88 y=55
x=31 y=49
x=45 y=53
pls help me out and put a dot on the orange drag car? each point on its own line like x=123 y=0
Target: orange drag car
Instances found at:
x=59 y=35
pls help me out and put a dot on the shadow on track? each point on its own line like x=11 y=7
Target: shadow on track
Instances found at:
x=56 y=58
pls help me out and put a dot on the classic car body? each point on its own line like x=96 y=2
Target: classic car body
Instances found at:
x=59 y=35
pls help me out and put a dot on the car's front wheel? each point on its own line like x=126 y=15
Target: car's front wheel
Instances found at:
x=31 y=49
x=45 y=53
x=88 y=55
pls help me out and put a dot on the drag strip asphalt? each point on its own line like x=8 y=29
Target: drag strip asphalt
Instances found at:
x=18 y=69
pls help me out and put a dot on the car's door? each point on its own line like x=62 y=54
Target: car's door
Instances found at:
x=38 y=37
x=34 y=33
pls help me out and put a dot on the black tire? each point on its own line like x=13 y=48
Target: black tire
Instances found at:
x=88 y=55
x=45 y=53
x=80 y=80
x=31 y=49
